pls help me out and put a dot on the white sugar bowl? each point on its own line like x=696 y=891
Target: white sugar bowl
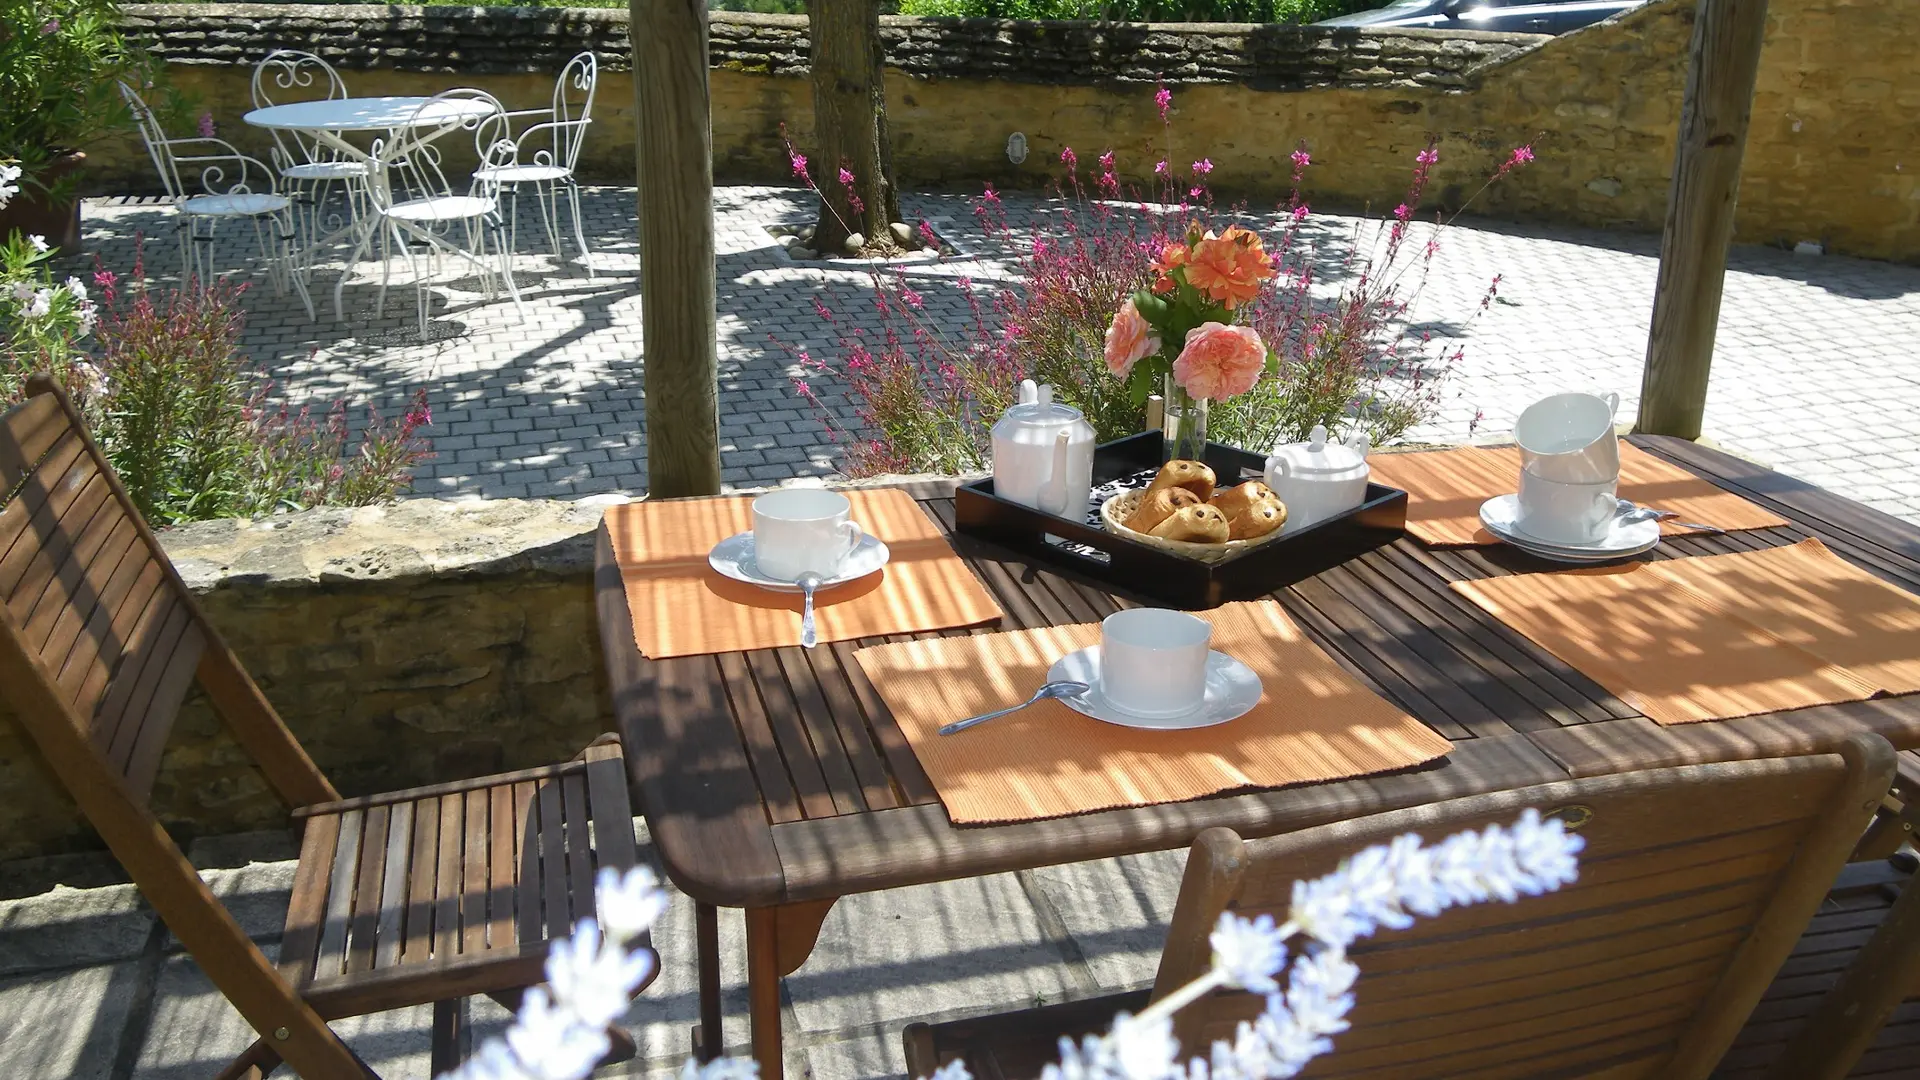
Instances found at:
x=1318 y=479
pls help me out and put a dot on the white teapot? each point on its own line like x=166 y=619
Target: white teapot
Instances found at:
x=1318 y=479
x=1043 y=454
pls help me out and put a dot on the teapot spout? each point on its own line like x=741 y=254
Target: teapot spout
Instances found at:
x=1052 y=496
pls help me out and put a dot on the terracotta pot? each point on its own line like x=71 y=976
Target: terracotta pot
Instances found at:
x=59 y=222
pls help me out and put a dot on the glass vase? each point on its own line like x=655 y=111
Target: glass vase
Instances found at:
x=1183 y=424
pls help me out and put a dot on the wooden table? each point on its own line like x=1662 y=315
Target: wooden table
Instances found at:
x=777 y=781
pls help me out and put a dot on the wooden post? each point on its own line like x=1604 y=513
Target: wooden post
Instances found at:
x=1721 y=66
x=675 y=152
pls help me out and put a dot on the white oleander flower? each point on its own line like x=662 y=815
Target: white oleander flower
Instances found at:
x=41 y=304
x=9 y=174
x=88 y=314
x=74 y=286
x=39 y=243
x=22 y=289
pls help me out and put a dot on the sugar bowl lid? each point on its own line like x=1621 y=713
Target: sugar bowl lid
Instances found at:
x=1320 y=459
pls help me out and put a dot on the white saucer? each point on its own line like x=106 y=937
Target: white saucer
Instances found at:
x=1501 y=516
x=733 y=557
x=1232 y=691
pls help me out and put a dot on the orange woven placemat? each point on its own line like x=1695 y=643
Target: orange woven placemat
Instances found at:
x=1445 y=489
x=1720 y=636
x=682 y=607
x=1314 y=722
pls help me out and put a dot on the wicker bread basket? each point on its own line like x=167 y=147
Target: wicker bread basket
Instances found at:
x=1121 y=507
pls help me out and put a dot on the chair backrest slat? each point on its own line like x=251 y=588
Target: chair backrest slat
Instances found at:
x=26 y=434
x=1692 y=889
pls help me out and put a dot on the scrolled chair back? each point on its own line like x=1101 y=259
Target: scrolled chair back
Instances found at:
x=412 y=155
x=285 y=76
x=218 y=166
x=573 y=106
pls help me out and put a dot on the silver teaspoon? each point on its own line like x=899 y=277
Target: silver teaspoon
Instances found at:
x=1051 y=690
x=808 y=583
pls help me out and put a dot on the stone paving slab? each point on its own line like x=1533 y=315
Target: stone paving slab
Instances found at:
x=1814 y=371
x=69 y=1024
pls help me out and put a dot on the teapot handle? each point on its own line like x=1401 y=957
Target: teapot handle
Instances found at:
x=1051 y=495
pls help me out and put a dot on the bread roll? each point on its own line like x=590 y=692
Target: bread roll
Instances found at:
x=1198 y=524
x=1257 y=520
x=1195 y=476
x=1157 y=506
x=1234 y=501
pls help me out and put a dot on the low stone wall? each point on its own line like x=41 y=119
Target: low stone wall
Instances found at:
x=1831 y=157
x=404 y=645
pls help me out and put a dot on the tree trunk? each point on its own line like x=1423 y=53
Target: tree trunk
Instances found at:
x=850 y=123
x=1721 y=67
x=675 y=165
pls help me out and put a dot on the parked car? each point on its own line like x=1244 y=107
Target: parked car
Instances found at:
x=1509 y=15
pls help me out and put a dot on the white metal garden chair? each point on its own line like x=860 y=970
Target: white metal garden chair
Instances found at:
x=415 y=206
x=310 y=170
x=544 y=153
x=250 y=193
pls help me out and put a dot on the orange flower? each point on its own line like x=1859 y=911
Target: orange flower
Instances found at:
x=1219 y=361
x=1172 y=257
x=1229 y=268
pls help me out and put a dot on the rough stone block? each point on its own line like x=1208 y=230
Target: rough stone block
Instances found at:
x=72 y=927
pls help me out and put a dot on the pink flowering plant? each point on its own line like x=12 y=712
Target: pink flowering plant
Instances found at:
x=1268 y=323
x=183 y=418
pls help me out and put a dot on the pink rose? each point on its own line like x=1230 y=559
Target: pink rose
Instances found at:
x=1130 y=337
x=1220 y=361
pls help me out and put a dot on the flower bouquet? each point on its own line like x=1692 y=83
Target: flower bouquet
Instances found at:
x=1179 y=332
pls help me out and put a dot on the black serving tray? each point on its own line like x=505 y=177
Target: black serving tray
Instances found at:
x=1085 y=546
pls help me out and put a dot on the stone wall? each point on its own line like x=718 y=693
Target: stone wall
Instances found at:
x=404 y=645
x=1832 y=155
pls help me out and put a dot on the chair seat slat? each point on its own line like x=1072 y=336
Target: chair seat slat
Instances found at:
x=307 y=905
x=475 y=849
x=390 y=927
x=446 y=903
x=579 y=846
x=330 y=957
x=553 y=858
x=417 y=934
x=368 y=886
x=501 y=868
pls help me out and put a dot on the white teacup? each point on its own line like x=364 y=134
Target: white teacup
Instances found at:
x=1566 y=513
x=1570 y=438
x=1153 y=662
x=802 y=530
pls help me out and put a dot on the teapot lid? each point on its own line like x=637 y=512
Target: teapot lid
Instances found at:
x=1322 y=459
x=1037 y=408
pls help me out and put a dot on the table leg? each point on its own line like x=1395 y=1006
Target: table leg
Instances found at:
x=763 y=990
x=779 y=940
x=706 y=935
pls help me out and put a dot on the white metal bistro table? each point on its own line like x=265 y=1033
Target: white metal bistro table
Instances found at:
x=407 y=124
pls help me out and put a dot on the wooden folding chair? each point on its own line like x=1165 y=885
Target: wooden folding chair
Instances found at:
x=427 y=895
x=1695 y=884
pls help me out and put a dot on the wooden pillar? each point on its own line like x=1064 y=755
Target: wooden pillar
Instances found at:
x=1721 y=66
x=675 y=166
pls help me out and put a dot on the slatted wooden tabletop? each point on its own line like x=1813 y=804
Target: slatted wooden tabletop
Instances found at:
x=776 y=776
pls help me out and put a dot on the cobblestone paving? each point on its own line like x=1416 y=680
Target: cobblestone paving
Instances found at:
x=1814 y=373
